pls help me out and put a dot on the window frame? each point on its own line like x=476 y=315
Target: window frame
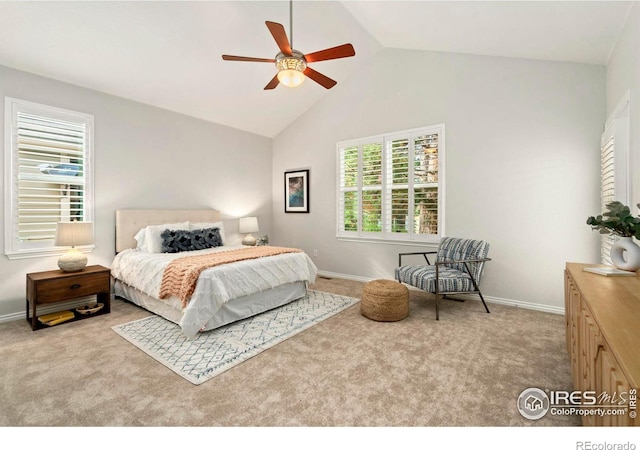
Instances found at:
x=385 y=235
x=13 y=249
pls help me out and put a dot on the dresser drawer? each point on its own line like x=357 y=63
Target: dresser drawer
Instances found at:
x=55 y=290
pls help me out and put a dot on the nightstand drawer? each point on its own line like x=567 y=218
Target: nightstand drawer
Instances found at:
x=54 y=290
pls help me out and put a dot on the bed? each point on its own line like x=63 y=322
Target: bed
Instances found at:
x=223 y=293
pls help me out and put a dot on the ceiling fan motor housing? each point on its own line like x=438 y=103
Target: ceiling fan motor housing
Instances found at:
x=296 y=61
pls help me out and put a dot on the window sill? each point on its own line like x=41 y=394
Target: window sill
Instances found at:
x=44 y=252
x=369 y=240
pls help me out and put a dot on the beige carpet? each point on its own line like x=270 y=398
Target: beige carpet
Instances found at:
x=465 y=370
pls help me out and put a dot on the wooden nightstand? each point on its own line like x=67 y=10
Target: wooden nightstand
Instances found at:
x=56 y=286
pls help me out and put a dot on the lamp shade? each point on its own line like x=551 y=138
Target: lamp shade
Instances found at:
x=71 y=234
x=248 y=225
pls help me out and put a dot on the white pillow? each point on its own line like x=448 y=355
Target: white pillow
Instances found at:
x=153 y=240
x=141 y=239
x=200 y=226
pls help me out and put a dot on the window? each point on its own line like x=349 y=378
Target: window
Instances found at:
x=614 y=175
x=48 y=155
x=390 y=187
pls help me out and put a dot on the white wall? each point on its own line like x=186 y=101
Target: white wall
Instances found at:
x=522 y=162
x=623 y=74
x=522 y=140
x=145 y=158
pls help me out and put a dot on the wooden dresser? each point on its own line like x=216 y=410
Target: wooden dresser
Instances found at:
x=603 y=338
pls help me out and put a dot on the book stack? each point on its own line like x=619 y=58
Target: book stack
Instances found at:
x=609 y=271
x=56 y=317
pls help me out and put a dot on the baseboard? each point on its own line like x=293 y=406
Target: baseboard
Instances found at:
x=487 y=298
x=322 y=274
x=525 y=305
x=325 y=274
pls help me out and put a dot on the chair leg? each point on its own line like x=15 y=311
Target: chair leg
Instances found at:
x=475 y=285
x=483 y=302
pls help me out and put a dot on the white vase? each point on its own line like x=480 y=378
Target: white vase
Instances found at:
x=625 y=254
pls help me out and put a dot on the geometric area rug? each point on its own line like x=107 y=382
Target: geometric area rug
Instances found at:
x=212 y=352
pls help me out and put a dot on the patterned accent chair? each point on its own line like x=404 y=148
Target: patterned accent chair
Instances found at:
x=458 y=268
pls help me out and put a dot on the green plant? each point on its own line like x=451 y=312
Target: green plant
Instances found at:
x=616 y=220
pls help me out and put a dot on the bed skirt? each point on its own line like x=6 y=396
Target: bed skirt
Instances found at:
x=231 y=311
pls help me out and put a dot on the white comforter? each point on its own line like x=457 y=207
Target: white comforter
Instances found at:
x=216 y=285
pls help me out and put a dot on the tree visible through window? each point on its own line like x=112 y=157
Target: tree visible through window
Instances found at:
x=390 y=186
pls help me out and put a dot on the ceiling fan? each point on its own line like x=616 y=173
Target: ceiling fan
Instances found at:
x=292 y=64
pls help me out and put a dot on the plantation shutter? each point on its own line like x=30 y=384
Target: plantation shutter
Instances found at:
x=614 y=168
x=48 y=160
x=412 y=184
x=425 y=184
x=371 y=199
x=51 y=175
x=348 y=204
x=390 y=186
x=398 y=185
x=607 y=190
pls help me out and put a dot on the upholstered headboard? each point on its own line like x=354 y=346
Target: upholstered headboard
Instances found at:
x=130 y=221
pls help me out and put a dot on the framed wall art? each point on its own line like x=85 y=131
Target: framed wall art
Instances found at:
x=296 y=191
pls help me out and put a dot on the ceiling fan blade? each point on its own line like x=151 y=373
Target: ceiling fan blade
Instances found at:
x=341 y=51
x=280 y=35
x=272 y=84
x=322 y=80
x=246 y=58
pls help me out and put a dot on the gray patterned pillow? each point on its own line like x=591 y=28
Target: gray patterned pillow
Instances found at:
x=174 y=241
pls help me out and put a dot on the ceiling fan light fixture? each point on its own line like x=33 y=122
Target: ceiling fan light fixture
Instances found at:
x=291 y=68
x=291 y=77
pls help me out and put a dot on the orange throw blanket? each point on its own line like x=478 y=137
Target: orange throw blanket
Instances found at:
x=181 y=275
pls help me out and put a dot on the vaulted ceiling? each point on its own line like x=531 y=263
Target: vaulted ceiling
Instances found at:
x=168 y=53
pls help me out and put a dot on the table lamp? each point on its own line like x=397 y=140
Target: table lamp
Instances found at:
x=248 y=225
x=73 y=234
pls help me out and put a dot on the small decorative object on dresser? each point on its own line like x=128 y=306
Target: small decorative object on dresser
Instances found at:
x=264 y=240
x=55 y=286
x=608 y=271
x=625 y=246
x=618 y=221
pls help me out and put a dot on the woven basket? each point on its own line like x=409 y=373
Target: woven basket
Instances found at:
x=384 y=301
